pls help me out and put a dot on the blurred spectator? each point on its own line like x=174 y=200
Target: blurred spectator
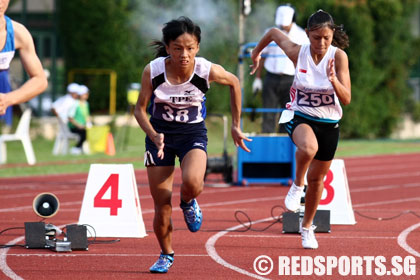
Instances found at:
x=62 y=105
x=279 y=68
x=79 y=118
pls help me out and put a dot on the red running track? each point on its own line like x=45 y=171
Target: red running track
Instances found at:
x=380 y=186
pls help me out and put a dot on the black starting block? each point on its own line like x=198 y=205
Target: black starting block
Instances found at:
x=291 y=221
x=38 y=235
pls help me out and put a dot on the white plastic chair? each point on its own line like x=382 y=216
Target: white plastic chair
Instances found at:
x=21 y=134
x=61 y=144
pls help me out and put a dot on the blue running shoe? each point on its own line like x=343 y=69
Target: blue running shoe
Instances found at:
x=192 y=215
x=163 y=264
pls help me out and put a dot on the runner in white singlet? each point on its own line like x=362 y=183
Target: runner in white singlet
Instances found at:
x=321 y=84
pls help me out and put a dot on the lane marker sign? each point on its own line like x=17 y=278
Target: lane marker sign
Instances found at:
x=336 y=195
x=111 y=203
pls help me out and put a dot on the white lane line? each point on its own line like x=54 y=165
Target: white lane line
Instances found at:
x=211 y=250
x=204 y=205
x=402 y=240
x=384 y=176
x=3 y=263
x=386 y=202
x=381 y=188
x=30 y=208
x=81 y=254
x=318 y=236
x=383 y=167
x=149 y=211
x=141 y=197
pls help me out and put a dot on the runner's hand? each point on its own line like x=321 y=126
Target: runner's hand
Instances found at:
x=158 y=140
x=238 y=138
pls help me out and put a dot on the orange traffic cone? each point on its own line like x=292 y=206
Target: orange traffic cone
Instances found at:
x=110 y=147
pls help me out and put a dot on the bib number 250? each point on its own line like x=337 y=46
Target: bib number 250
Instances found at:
x=311 y=99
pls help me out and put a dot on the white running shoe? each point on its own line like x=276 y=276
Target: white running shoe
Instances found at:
x=308 y=238
x=75 y=151
x=292 y=200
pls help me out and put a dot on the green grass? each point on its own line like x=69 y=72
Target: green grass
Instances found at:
x=348 y=148
x=130 y=148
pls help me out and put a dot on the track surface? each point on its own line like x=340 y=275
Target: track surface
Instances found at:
x=380 y=186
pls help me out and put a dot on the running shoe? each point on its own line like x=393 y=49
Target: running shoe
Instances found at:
x=163 y=264
x=192 y=215
x=308 y=237
x=292 y=200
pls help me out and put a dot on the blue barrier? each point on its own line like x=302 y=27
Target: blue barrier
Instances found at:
x=271 y=160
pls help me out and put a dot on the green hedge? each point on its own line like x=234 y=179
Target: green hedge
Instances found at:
x=98 y=34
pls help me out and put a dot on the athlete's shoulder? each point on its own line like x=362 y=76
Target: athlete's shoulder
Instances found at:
x=339 y=53
x=157 y=66
x=158 y=60
x=341 y=57
x=202 y=60
x=203 y=66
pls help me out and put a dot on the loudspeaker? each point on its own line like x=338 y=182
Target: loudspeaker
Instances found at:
x=77 y=235
x=46 y=205
x=292 y=220
x=35 y=235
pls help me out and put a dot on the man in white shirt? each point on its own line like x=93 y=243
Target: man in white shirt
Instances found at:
x=62 y=105
x=279 y=68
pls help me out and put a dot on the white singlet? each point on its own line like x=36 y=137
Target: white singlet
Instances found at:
x=312 y=93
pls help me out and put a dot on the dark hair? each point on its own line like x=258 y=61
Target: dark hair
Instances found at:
x=323 y=19
x=173 y=30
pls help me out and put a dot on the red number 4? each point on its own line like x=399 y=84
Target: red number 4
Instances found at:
x=113 y=203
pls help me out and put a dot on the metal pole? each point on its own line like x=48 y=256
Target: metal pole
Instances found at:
x=241 y=42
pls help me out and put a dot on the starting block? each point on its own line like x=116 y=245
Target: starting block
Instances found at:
x=291 y=221
x=111 y=203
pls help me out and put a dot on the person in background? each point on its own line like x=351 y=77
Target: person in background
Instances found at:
x=175 y=83
x=79 y=118
x=14 y=36
x=62 y=105
x=321 y=85
x=279 y=69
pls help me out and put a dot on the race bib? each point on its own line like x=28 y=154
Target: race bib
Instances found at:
x=171 y=114
x=313 y=99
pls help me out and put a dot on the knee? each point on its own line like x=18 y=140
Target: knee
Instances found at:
x=308 y=149
x=192 y=187
x=315 y=181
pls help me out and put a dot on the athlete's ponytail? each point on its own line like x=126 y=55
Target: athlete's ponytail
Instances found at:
x=321 y=19
x=160 y=48
x=173 y=30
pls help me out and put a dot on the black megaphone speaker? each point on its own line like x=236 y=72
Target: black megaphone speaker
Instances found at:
x=46 y=205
